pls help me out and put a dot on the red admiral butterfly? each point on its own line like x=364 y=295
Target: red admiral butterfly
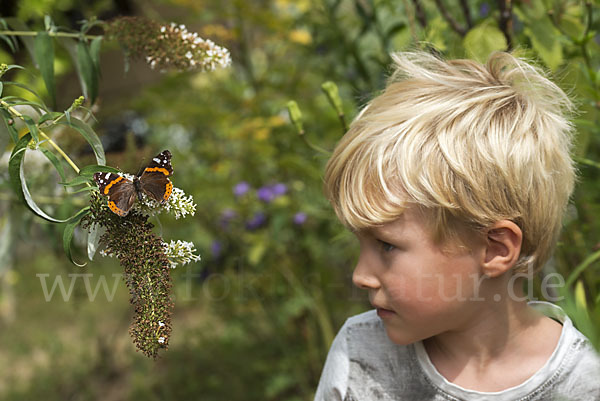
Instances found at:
x=153 y=182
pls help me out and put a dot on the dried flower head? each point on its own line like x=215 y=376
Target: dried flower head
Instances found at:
x=166 y=46
x=146 y=271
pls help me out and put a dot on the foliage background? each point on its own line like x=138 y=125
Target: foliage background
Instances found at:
x=254 y=318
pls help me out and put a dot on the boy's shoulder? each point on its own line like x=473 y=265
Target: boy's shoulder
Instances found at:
x=376 y=368
x=364 y=363
x=579 y=375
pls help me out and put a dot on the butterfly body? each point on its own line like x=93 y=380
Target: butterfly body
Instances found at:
x=153 y=181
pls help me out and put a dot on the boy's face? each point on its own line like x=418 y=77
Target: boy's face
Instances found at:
x=419 y=290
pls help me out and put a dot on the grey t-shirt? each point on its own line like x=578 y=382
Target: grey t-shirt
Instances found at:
x=364 y=365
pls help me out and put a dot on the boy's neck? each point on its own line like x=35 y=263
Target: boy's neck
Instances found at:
x=499 y=349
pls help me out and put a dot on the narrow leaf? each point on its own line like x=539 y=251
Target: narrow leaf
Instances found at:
x=69 y=230
x=88 y=171
x=86 y=66
x=44 y=53
x=11 y=66
x=33 y=129
x=9 y=42
x=55 y=162
x=90 y=136
x=28 y=89
x=70 y=46
x=95 y=46
x=7 y=126
x=53 y=115
x=79 y=180
x=94 y=240
x=17 y=25
x=17 y=178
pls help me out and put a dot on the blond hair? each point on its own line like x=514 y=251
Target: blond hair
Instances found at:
x=471 y=144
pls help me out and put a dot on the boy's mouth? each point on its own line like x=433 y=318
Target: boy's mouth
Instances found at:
x=383 y=313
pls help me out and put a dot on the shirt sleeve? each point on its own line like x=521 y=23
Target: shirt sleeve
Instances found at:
x=334 y=378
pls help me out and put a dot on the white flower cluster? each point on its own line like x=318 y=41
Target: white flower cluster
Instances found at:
x=189 y=51
x=179 y=204
x=180 y=252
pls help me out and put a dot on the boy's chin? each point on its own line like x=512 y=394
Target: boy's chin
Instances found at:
x=399 y=336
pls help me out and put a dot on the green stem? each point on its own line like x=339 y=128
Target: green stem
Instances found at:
x=313 y=146
x=15 y=113
x=53 y=34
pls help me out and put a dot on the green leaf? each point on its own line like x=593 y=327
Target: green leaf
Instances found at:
x=17 y=178
x=17 y=101
x=581 y=267
x=295 y=116
x=88 y=171
x=79 y=180
x=94 y=240
x=33 y=128
x=90 y=136
x=53 y=115
x=55 y=162
x=18 y=25
x=95 y=46
x=70 y=46
x=484 y=39
x=580 y=301
x=44 y=53
x=9 y=41
x=11 y=66
x=84 y=189
x=28 y=89
x=88 y=71
x=4 y=135
x=70 y=229
x=7 y=128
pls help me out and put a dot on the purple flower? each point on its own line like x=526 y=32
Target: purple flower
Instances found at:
x=300 y=218
x=216 y=247
x=241 y=188
x=279 y=189
x=265 y=194
x=484 y=10
x=226 y=216
x=256 y=221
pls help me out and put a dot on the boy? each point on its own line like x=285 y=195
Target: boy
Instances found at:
x=455 y=180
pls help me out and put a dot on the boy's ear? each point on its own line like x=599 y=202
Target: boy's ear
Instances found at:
x=504 y=240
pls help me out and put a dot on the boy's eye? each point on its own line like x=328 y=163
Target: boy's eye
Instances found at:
x=386 y=246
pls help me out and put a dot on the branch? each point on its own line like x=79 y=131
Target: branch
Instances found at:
x=467 y=13
x=505 y=23
x=421 y=17
x=455 y=26
x=51 y=34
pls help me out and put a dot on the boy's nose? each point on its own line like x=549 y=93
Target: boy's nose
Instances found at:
x=363 y=278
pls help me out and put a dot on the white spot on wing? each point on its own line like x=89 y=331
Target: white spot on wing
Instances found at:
x=156 y=159
x=106 y=176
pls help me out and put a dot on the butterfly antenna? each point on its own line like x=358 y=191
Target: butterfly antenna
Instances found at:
x=141 y=169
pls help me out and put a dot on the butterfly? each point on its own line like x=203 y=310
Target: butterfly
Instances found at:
x=153 y=182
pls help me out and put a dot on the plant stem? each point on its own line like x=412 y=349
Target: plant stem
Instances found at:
x=15 y=113
x=53 y=34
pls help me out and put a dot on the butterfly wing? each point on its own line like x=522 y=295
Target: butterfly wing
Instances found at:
x=154 y=180
x=119 y=190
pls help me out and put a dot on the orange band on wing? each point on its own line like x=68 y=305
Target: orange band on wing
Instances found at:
x=160 y=169
x=113 y=182
x=113 y=206
x=168 y=191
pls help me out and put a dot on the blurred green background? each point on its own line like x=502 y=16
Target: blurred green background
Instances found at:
x=253 y=319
